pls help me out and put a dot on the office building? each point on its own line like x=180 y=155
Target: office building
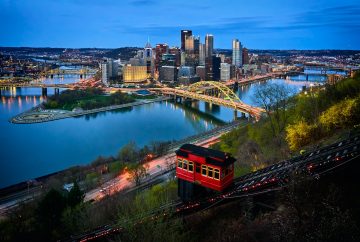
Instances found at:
x=168 y=60
x=109 y=70
x=245 y=56
x=225 y=72
x=209 y=45
x=202 y=54
x=186 y=71
x=160 y=50
x=200 y=72
x=184 y=34
x=177 y=52
x=236 y=53
x=216 y=61
x=168 y=74
x=148 y=57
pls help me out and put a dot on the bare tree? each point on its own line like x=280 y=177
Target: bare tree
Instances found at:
x=137 y=173
x=274 y=98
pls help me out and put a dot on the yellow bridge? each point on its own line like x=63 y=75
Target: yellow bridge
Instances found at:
x=213 y=92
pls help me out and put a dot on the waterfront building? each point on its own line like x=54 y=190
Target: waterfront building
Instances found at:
x=184 y=34
x=168 y=74
x=225 y=72
x=134 y=74
x=236 y=53
x=212 y=68
x=109 y=70
x=216 y=68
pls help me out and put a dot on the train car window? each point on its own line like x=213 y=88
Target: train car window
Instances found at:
x=216 y=174
x=210 y=171
x=191 y=166
x=185 y=164
x=180 y=163
x=203 y=170
x=197 y=167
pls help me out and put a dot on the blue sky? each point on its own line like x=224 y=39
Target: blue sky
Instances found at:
x=258 y=24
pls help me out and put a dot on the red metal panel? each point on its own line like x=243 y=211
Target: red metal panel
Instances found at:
x=196 y=158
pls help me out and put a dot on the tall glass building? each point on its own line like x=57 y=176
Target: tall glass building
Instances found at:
x=237 y=53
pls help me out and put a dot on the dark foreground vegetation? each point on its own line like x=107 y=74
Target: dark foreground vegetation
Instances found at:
x=306 y=210
x=86 y=99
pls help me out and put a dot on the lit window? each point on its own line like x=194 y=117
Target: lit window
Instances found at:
x=191 y=166
x=216 y=174
x=210 y=172
x=203 y=170
x=180 y=163
x=185 y=164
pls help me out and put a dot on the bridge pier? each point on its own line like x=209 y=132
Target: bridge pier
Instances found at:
x=236 y=86
x=44 y=91
x=235 y=115
x=307 y=77
x=56 y=92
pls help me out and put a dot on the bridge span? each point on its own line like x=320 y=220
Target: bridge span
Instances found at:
x=213 y=92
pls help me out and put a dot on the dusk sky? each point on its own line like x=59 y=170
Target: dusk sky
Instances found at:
x=260 y=24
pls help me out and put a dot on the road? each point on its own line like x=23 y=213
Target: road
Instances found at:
x=155 y=167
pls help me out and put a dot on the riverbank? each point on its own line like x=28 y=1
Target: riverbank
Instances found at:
x=40 y=115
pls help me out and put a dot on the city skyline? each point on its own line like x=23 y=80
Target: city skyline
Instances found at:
x=111 y=24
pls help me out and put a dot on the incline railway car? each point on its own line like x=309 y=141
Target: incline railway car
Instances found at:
x=206 y=167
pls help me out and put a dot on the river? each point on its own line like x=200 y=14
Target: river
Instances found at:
x=29 y=151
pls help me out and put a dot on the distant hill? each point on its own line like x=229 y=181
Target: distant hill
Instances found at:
x=124 y=53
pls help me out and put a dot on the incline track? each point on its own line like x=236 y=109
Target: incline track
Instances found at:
x=271 y=178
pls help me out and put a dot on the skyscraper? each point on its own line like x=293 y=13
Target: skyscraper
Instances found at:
x=237 y=53
x=160 y=50
x=245 y=56
x=209 y=45
x=148 y=59
x=184 y=33
x=202 y=54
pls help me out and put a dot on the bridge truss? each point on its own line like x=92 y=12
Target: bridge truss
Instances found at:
x=223 y=91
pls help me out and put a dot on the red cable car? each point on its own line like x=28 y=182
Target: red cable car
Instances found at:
x=206 y=167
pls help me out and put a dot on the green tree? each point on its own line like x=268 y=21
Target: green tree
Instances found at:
x=341 y=115
x=129 y=153
x=49 y=213
x=299 y=134
x=75 y=196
